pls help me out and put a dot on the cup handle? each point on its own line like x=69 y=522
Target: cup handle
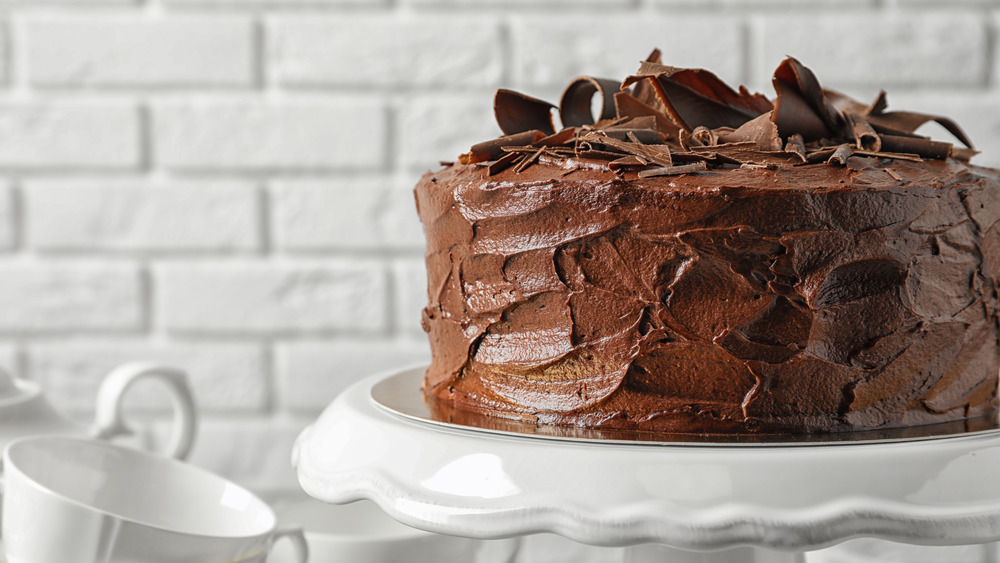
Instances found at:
x=109 y=421
x=298 y=539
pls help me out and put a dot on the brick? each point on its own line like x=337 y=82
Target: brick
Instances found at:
x=978 y=113
x=312 y=373
x=277 y=4
x=428 y=134
x=410 y=291
x=521 y=4
x=378 y=51
x=253 y=452
x=256 y=135
x=551 y=53
x=139 y=51
x=68 y=296
x=135 y=214
x=224 y=376
x=332 y=213
x=908 y=4
x=894 y=49
x=753 y=5
x=271 y=297
x=8 y=217
x=66 y=3
x=69 y=135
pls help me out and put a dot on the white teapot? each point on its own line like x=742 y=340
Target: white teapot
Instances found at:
x=24 y=410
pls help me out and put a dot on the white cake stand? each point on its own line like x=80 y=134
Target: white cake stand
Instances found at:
x=691 y=502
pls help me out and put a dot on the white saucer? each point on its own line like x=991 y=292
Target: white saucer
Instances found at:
x=469 y=482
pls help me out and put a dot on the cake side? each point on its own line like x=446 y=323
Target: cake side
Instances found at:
x=799 y=299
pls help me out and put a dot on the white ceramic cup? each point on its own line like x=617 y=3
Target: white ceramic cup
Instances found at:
x=362 y=532
x=85 y=501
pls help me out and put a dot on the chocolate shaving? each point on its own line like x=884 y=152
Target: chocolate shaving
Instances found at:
x=636 y=149
x=926 y=148
x=893 y=155
x=625 y=162
x=677 y=120
x=674 y=170
x=910 y=121
x=895 y=175
x=690 y=108
x=748 y=153
x=557 y=139
x=574 y=107
x=644 y=91
x=516 y=112
x=526 y=162
x=796 y=145
x=760 y=130
x=878 y=106
x=492 y=150
x=642 y=122
x=840 y=155
x=963 y=153
x=641 y=136
x=502 y=164
x=629 y=106
x=801 y=106
x=865 y=136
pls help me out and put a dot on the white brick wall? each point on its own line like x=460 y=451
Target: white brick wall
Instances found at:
x=135 y=214
x=225 y=185
x=113 y=51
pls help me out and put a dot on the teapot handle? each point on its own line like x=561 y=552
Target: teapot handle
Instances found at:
x=109 y=421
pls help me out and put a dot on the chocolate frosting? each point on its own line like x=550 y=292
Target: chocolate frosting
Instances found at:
x=714 y=278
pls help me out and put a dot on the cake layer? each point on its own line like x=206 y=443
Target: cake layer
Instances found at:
x=798 y=299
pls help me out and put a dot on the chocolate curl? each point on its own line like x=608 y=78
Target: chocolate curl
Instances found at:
x=560 y=138
x=493 y=149
x=516 y=113
x=801 y=106
x=644 y=91
x=700 y=137
x=842 y=103
x=625 y=162
x=574 y=106
x=878 y=106
x=760 y=130
x=925 y=148
x=627 y=105
x=694 y=97
x=840 y=155
x=909 y=122
x=797 y=146
x=865 y=136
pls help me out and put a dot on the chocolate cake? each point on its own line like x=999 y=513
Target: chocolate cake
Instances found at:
x=699 y=259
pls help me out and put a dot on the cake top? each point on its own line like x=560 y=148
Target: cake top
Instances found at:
x=665 y=121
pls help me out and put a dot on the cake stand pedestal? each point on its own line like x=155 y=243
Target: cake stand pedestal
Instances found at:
x=679 y=502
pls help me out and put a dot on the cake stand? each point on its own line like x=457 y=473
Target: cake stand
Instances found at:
x=671 y=501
